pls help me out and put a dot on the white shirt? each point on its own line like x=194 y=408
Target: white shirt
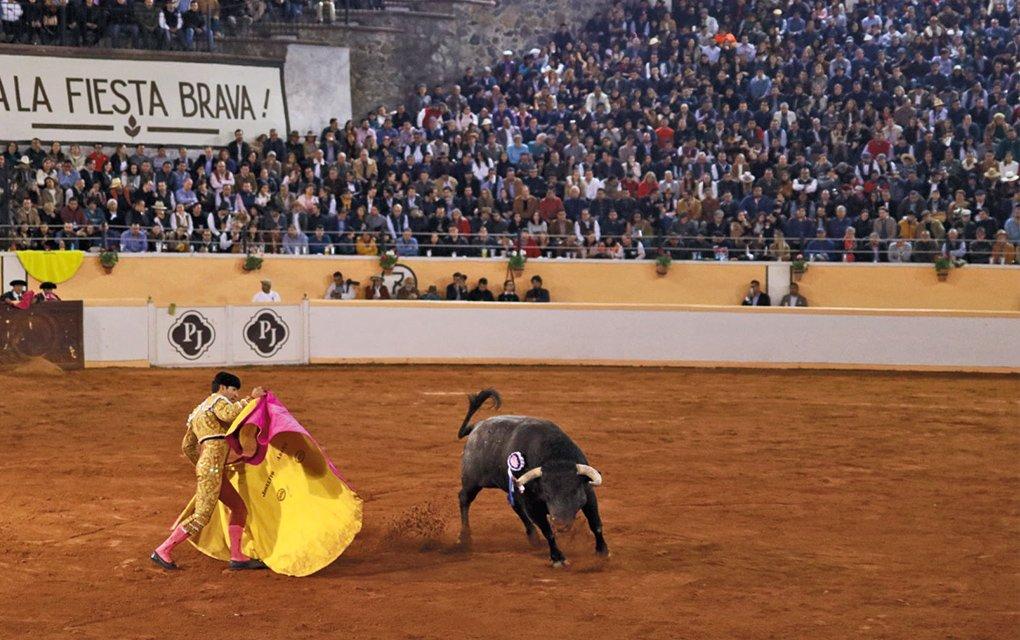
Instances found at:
x=262 y=296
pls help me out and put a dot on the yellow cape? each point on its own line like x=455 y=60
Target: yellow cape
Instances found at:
x=301 y=517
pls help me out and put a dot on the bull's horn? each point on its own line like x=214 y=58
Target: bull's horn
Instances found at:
x=593 y=475
x=528 y=477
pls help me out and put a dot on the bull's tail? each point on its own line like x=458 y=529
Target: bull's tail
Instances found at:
x=475 y=402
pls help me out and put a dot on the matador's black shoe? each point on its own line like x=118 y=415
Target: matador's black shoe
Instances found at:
x=169 y=566
x=243 y=565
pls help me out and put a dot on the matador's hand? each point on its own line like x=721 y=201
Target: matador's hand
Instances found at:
x=258 y=392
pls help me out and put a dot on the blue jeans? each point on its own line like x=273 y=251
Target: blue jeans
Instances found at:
x=115 y=31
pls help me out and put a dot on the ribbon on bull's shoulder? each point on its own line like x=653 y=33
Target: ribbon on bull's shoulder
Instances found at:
x=302 y=513
x=514 y=463
x=51 y=266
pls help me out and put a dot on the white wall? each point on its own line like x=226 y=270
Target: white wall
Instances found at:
x=318 y=82
x=364 y=331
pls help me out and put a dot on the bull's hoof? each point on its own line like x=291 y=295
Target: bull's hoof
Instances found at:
x=560 y=564
x=603 y=553
x=464 y=543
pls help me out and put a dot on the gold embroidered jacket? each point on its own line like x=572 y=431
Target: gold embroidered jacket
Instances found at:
x=209 y=421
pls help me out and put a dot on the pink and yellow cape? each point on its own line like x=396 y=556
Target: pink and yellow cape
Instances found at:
x=302 y=513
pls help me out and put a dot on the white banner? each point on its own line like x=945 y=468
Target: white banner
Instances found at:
x=190 y=337
x=137 y=101
x=222 y=336
x=266 y=335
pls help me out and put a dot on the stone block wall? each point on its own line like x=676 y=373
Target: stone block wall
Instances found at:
x=391 y=51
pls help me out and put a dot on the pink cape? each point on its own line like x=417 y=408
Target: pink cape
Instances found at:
x=271 y=419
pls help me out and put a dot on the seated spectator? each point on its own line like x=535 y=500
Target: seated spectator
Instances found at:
x=900 y=250
x=376 y=290
x=756 y=297
x=953 y=247
x=407 y=290
x=134 y=239
x=431 y=294
x=793 y=299
x=266 y=294
x=537 y=293
x=509 y=292
x=1003 y=251
x=407 y=244
x=481 y=293
x=457 y=290
x=820 y=249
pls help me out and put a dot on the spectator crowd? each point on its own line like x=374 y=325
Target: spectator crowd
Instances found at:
x=719 y=130
x=153 y=24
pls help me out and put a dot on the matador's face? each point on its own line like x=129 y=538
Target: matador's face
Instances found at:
x=231 y=393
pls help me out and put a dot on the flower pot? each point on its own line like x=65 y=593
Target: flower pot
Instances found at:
x=943 y=274
x=796 y=275
x=517 y=272
x=388 y=272
x=108 y=269
x=661 y=269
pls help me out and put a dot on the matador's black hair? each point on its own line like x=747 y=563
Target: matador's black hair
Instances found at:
x=226 y=379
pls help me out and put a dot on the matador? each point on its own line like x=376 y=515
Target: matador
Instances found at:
x=206 y=447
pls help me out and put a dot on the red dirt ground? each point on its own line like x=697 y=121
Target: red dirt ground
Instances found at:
x=737 y=505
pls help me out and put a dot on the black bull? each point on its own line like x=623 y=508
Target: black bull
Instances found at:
x=551 y=479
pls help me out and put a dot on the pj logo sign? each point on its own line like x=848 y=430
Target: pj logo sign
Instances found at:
x=196 y=336
x=191 y=335
x=266 y=333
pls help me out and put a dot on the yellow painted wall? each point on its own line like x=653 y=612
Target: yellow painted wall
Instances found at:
x=216 y=280
x=910 y=287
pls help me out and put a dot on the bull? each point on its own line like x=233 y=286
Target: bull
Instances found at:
x=546 y=476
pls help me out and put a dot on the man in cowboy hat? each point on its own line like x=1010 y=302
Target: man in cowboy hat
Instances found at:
x=15 y=296
x=47 y=294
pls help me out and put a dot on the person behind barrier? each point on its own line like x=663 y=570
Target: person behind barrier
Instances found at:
x=756 y=297
x=341 y=289
x=793 y=299
x=48 y=293
x=16 y=294
x=537 y=293
x=266 y=294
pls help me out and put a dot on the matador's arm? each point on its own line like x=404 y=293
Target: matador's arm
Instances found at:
x=226 y=411
x=190 y=446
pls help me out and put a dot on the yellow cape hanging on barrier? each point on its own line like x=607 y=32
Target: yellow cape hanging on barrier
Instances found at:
x=301 y=516
x=51 y=266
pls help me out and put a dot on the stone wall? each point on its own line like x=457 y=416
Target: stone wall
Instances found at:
x=391 y=51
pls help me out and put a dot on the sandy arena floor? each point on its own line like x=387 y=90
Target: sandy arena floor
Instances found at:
x=736 y=504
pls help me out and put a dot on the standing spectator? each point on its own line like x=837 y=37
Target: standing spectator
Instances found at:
x=266 y=293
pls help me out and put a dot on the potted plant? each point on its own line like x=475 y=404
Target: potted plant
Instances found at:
x=797 y=267
x=662 y=263
x=108 y=259
x=387 y=261
x=516 y=260
x=252 y=263
x=942 y=266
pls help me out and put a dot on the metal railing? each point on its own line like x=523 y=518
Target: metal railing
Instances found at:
x=97 y=237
